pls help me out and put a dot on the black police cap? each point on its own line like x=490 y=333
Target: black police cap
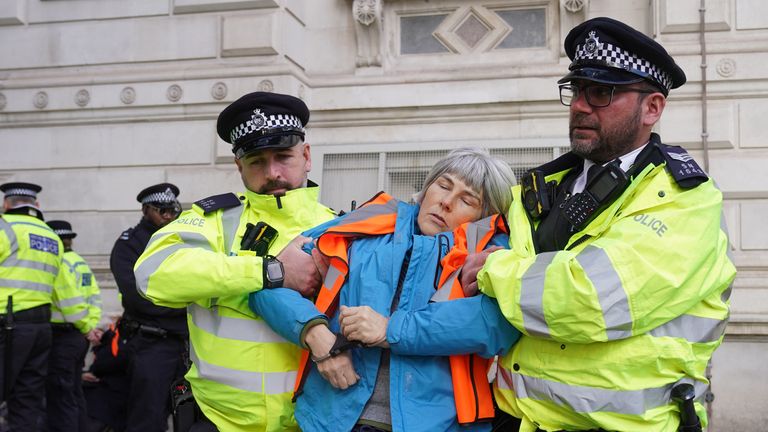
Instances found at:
x=161 y=195
x=263 y=120
x=62 y=228
x=20 y=189
x=608 y=51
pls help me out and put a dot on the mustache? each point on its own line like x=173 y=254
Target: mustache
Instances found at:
x=581 y=120
x=274 y=184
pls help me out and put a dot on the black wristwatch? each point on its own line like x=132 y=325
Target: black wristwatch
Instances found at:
x=273 y=274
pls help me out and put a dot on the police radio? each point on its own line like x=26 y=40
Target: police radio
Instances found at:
x=608 y=183
x=537 y=194
x=258 y=238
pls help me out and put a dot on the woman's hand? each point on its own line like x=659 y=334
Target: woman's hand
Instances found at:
x=365 y=325
x=339 y=370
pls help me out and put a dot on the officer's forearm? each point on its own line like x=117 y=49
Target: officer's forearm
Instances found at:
x=191 y=274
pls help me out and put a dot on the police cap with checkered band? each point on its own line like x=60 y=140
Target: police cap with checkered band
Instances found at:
x=162 y=195
x=263 y=120
x=62 y=228
x=607 y=51
x=20 y=189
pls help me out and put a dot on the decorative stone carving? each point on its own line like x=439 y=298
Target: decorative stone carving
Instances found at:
x=573 y=6
x=128 y=95
x=41 y=100
x=82 y=98
x=3 y=101
x=726 y=67
x=366 y=11
x=219 y=91
x=265 y=86
x=368 y=29
x=174 y=93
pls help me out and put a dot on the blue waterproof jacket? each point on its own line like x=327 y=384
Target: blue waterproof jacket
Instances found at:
x=421 y=334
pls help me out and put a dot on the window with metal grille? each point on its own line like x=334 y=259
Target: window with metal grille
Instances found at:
x=357 y=177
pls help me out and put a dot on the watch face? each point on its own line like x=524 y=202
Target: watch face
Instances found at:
x=274 y=271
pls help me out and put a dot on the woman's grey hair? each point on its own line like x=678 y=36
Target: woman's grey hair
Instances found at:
x=485 y=174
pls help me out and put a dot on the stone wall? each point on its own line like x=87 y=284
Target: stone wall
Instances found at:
x=99 y=99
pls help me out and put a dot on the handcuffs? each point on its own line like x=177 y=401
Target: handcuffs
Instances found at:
x=341 y=345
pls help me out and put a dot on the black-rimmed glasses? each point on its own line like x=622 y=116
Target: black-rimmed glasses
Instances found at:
x=597 y=96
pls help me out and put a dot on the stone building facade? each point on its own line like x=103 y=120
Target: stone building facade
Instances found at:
x=100 y=98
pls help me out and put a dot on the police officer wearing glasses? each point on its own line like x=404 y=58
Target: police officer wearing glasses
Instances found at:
x=617 y=273
x=157 y=335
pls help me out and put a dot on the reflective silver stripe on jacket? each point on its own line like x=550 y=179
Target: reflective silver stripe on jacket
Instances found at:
x=230 y=221
x=369 y=211
x=152 y=263
x=474 y=232
x=71 y=301
x=584 y=399
x=692 y=328
x=6 y=227
x=613 y=301
x=247 y=329
x=255 y=382
x=12 y=259
x=610 y=291
x=94 y=299
x=532 y=296
x=444 y=292
x=76 y=316
x=13 y=262
x=26 y=285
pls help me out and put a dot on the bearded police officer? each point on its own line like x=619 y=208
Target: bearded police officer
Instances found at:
x=30 y=261
x=157 y=335
x=618 y=276
x=75 y=313
x=214 y=255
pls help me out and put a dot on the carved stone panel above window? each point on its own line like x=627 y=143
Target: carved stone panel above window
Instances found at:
x=483 y=31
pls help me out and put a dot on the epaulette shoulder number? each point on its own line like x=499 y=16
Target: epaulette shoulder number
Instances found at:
x=686 y=172
x=126 y=235
x=216 y=202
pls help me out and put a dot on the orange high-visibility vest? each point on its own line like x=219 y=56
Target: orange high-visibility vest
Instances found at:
x=472 y=392
x=471 y=389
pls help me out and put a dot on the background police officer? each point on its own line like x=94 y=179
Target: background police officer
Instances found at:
x=214 y=255
x=75 y=315
x=157 y=335
x=616 y=312
x=30 y=258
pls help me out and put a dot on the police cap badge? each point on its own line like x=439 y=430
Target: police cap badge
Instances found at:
x=263 y=120
x=607 y=51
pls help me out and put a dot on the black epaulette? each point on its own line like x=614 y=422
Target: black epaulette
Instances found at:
x=126 y=235
x=216 y=202
x=682 y=167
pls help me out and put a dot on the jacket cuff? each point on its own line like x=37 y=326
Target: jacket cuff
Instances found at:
x=311 y=323
x=395 y=327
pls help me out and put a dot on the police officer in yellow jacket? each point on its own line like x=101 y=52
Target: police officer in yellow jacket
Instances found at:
x=212 y=256
x=618 y=276
x=75 y=315
x=30 y=260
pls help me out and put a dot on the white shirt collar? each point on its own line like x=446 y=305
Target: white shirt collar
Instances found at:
x=627 y=160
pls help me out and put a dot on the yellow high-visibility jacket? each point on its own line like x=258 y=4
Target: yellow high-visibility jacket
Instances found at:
x=242 y=373
x=79 y=298
x=30 y=257
x=637 y=302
